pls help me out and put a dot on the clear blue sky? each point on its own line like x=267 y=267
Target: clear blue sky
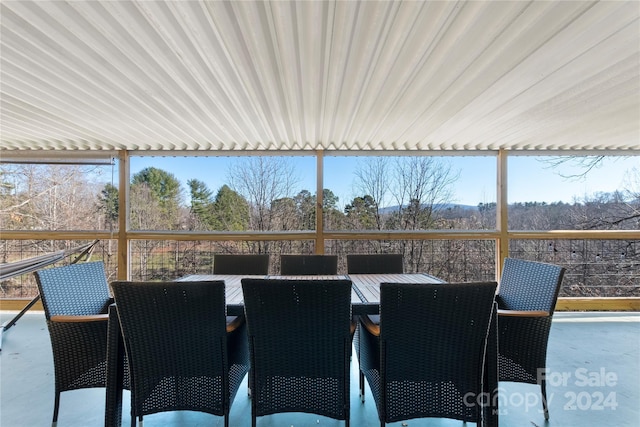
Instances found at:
x=529 y=179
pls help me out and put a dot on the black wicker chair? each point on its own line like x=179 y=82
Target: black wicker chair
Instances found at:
x=526 y=301
x=76 y=300
x=375 y=264
x=300 y=346
x=251 y=264
x=426 y=357
x=182 y=354
x=301 y=265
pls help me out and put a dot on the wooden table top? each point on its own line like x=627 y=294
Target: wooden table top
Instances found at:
x=367 y=286
x=365 y=289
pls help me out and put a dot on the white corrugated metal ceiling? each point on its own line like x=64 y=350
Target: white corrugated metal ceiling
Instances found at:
x=333 y=75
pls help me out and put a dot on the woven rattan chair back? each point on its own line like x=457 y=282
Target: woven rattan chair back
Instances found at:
x=430 y=350
x=251 y=264
x=181 y=356
x=301 y=265
x=529 y=285
x=76 y=289
x=300 y=346
x=79 y=347
x=375 y=264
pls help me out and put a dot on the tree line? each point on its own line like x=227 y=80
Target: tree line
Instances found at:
x=262 y=194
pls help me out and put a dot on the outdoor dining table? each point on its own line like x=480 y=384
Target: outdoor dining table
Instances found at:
x=365 y=300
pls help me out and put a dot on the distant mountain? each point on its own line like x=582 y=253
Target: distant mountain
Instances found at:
x=439 y=207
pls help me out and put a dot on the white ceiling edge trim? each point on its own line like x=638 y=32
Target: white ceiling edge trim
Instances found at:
x=39 y=156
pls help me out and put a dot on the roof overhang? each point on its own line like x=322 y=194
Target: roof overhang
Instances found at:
x=195 y=76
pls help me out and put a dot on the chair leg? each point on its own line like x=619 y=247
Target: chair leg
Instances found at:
x=543 y=389
x=254 y=408
x=361 y=376
x=133 y=421
x=56 y=408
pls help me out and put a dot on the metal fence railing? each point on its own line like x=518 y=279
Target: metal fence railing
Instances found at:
x=595 y=268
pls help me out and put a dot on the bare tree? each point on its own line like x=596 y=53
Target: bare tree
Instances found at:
x=631 y=193
x=419 y=186
x=52 y=197
x=45 y=197
x=263 y=180
x=585 y=164
x=373 y=179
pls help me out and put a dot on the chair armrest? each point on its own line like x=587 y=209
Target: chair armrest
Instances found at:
x=83 y=318
x=234 y=322
x=371 y=327
x=523 y=313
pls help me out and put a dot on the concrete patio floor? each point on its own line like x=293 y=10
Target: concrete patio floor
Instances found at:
x=593 y=380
